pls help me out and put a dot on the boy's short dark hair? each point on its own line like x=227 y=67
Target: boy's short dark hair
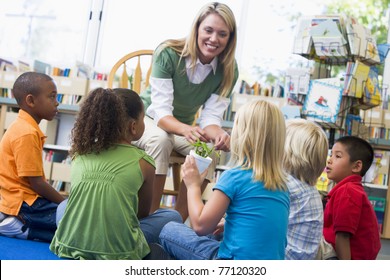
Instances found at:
x=358 y=149
x=28 y=83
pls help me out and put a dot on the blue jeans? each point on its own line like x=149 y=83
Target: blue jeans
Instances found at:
x=182 y=243
x=150 y=225
x=39 y=218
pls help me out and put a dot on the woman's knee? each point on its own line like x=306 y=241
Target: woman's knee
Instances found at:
x=160 y=144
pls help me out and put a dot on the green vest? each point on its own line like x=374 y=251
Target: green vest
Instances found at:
x=187 y=97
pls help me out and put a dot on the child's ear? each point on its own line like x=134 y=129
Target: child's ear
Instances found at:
x=357 y=166
x=132 y=126
x=30 y=100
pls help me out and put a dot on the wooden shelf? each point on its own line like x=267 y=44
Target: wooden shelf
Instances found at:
x=380 y=144
x=66 y=108
x=374 y=186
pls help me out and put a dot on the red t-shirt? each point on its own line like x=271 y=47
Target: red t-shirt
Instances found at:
x=349 y=210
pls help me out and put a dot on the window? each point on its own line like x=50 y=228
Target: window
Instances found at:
x=61 y=32
x=47 y=30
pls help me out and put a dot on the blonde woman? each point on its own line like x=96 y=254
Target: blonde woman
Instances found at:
x=253 y=194
x=306 y=150
x=197 y=71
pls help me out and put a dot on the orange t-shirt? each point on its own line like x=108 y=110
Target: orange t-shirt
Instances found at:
x=21 y=156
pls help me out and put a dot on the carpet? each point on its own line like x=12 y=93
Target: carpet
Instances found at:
x=19 y=249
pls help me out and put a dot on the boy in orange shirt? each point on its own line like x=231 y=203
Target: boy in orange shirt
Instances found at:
x=28 y=202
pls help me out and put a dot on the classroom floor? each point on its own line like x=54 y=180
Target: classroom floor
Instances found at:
x=384 y=253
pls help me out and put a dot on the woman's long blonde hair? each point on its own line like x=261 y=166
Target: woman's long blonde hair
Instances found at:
x=257 y=142
x=188 y=46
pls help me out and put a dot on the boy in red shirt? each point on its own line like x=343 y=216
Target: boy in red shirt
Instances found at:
x=350 y=224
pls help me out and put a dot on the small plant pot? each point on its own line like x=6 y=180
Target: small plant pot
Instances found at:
x=201 y=162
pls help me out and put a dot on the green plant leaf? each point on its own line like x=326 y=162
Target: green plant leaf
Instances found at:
x=202 y=149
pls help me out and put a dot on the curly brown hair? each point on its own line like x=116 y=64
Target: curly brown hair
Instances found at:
x=103 y=120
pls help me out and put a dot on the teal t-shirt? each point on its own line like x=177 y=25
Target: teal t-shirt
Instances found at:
x=187 y=97
x=256 y=218
x=100 y=220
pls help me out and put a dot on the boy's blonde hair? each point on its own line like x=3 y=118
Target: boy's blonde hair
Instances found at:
x=306 y=150
x=257 y=142
x=189 y=47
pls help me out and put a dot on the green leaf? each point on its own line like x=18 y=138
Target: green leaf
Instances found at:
x=202 y=149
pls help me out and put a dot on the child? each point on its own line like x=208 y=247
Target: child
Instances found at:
x=28 y=202
x=106 y=216
x=350 y=224
x=305 y=155
x=253 y=195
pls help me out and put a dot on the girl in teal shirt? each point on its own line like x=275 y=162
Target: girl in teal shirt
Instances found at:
x=253 y=195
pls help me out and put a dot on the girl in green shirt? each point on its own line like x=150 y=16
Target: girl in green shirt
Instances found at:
x=107 y=214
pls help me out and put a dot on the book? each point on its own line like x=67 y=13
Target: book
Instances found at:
x=6 y=65
x=23 y=66
x=383 y=50
x=357 y=79
x=291 y=112
x=372 y=92
x=302 y=40
x=355 y=35
x=323 y=102
x=361 y=42
x=297 y=80
x=42 y=67
x=370 y=50
x=328 y=39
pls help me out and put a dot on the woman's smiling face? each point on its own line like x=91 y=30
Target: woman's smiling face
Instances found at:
x=213 y=36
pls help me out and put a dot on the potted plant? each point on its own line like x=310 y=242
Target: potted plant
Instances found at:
x=201 y=153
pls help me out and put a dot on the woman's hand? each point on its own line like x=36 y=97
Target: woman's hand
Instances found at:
x=190 y=173
x=222 y=142
x=219 y=136
x=193 y=133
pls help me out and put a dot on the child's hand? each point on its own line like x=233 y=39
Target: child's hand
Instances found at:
x=190 y=173
x=220 y=227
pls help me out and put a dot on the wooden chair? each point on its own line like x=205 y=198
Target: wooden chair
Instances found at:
x=128 y=73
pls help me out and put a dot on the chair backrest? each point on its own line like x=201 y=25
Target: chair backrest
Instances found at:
x=132 y=63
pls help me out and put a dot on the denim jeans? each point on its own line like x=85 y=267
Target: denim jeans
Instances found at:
x=150 y=225
x=61 y=210
x=39 y=218
x=182 y=243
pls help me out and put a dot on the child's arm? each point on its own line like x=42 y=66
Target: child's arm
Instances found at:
x=44 y=189
x=145 y=193
x=204 y=218
x=343 y=247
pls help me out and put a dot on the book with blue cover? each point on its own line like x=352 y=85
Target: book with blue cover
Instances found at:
x=323 y=102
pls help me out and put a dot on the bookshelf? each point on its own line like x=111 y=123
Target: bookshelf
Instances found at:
x=383 y=145
x=57 y=130
x=329 y=41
